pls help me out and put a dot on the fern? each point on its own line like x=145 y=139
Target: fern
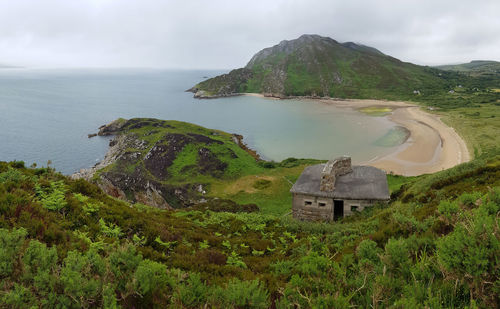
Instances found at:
x=110 y=230
x=235 y=260
x=52 y=198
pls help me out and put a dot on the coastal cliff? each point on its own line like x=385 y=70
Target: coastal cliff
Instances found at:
x=166 y=164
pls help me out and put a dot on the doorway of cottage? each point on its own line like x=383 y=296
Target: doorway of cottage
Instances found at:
x=338 y=209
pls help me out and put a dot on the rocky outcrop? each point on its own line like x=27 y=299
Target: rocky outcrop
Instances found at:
x=142 y=164
x=202 y=94
x=238 y=139
x=111 y=128
x=225 y=85
x=114 y=152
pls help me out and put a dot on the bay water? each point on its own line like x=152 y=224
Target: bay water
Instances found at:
x=47 y=114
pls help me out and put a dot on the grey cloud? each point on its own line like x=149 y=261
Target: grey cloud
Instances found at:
x=225 y=34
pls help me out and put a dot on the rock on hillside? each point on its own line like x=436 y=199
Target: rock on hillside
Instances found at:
x=313 y=65
x=166 y=164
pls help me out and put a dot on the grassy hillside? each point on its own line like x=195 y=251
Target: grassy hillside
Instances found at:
x=66 y=243
x=314 y=65
x=318 y=66
x=474 y=68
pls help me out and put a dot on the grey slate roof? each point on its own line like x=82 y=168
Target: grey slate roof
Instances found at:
x=365 y=182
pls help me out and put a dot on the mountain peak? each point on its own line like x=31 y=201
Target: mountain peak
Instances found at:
x=314 y=65
x=287 y=47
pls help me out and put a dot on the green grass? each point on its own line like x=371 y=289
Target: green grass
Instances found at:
x=151 y=134
x=376 y=110
x=274 y=198
x=478 y=125
x=396 y=181
x=408 y=248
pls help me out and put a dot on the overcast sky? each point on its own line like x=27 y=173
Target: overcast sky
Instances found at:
x=225 y=34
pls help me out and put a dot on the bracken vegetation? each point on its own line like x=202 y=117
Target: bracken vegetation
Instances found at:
x=64 y=243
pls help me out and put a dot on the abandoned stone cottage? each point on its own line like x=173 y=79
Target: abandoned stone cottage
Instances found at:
x=336 y=189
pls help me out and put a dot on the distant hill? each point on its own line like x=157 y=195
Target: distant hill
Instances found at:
x=474 y=68
x=313 y=65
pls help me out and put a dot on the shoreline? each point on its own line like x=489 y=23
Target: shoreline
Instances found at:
x=431 y=147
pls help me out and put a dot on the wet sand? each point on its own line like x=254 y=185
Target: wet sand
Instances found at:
x=432 y=146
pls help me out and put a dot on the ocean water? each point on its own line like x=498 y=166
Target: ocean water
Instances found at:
x=47 y=114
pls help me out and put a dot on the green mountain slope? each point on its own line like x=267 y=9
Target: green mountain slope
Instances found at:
x=319 y=66
x=474 y=68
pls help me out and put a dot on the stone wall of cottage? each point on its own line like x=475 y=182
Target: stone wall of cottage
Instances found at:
x=353 y=206
x=313 y=208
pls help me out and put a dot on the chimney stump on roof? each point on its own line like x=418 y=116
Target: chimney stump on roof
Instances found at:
x=334 y=168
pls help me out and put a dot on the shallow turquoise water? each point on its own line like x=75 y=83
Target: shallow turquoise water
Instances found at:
x=47 y=114
x=394 y=137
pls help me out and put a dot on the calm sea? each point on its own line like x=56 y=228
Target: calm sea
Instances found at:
x=47 y=114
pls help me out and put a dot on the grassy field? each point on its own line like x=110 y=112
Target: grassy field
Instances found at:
x=270 y=190
x=478 y=125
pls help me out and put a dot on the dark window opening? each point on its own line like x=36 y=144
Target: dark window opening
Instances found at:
x=354 y=208
x=308 y=203
x=322 y=204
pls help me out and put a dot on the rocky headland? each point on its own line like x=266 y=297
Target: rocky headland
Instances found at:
x=166 y=164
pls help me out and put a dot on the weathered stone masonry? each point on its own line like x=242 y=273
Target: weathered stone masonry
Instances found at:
x=332 y=170
x=336 y=189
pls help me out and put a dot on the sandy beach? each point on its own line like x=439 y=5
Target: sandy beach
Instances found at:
x=432 y=146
